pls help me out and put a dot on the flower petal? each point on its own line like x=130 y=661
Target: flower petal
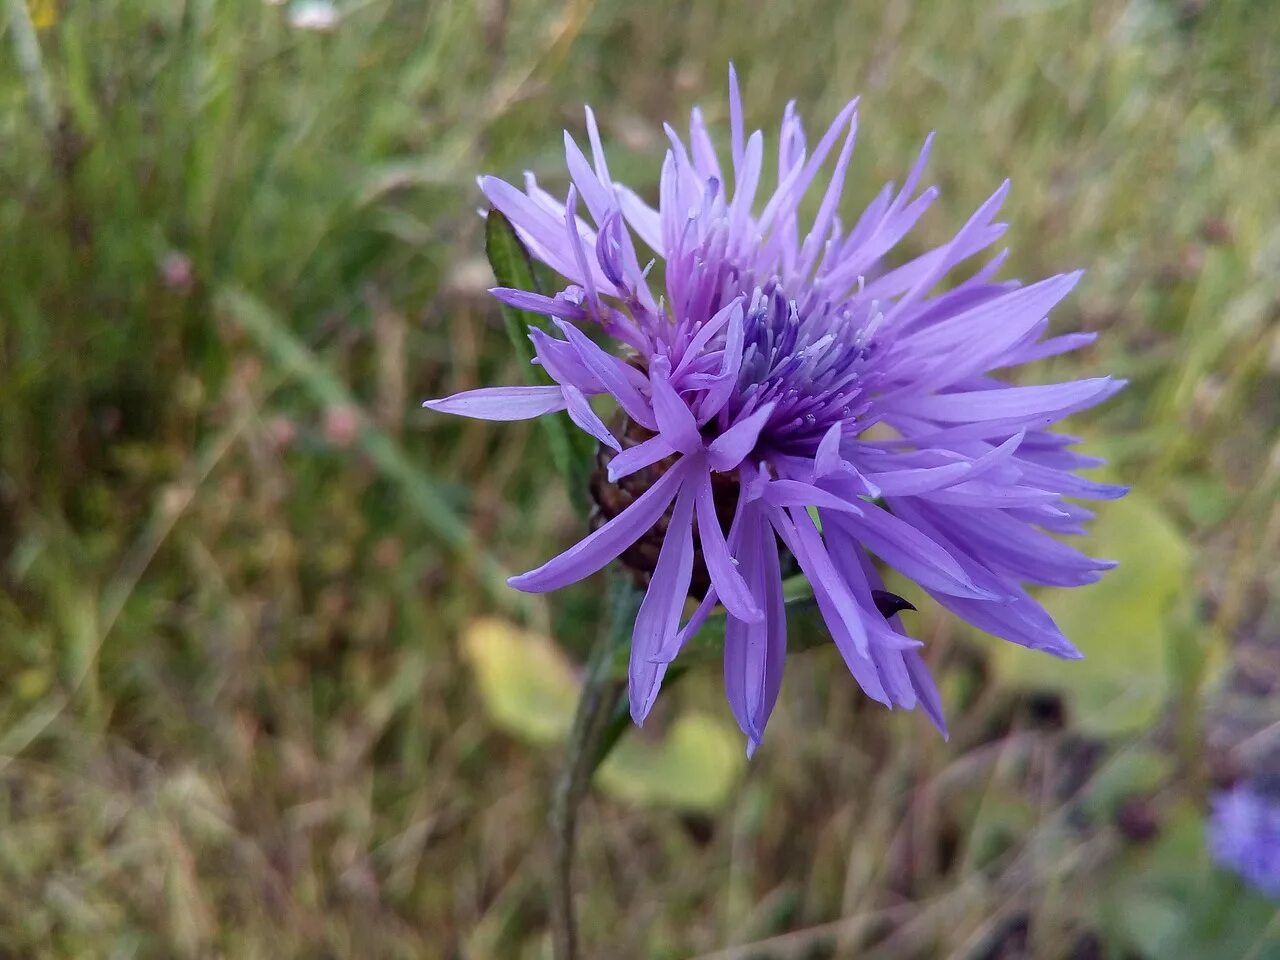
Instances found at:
x=804 y=541
x=733 y=446
x=659 y=615
x=1052 y=399
x=643 y=454
x=744 y=648
x=722 y=567
x=910 y=552
x=562 y=362
x=926 y=691
x=604 y=545
x=605 y=367
x=501 y=403
x=580 y=412
x=769 y=585
x=797 y=493
x=537 y=303
x=675 y=420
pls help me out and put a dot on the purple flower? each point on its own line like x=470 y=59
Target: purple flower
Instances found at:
x=788 y=391
x=1244 y=836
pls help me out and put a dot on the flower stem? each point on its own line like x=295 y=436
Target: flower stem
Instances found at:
x=602 y=692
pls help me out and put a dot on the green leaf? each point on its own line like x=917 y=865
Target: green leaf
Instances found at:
x=1136 y=770
x=571 y=451
x=529 y=689
x=1123 y=625
x=512 y=267
x=694 y=767
x=1152 y=922
x=527 y=686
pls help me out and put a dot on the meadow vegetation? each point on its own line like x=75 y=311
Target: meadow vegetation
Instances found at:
x=238 y=717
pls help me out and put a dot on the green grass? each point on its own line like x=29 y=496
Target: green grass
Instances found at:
x=235 y=559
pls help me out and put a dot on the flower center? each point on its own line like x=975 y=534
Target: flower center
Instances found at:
x=813 y=360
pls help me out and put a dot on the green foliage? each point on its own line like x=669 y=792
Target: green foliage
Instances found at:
x=1170 y=901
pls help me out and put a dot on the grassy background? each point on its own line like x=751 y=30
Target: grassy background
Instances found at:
x=236 y=559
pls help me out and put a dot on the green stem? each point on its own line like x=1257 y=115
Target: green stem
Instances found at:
x=602 y=695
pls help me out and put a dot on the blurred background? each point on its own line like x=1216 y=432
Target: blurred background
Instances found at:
x=263 y=692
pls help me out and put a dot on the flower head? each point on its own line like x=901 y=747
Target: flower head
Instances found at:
x=751 y=368
x=1244 y=835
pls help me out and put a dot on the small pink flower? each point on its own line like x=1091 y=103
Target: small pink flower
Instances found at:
x=341 y=425
x=177 y=272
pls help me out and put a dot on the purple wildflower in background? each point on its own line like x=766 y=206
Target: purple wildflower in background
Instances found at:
x=752 y=364
x=1244 y=836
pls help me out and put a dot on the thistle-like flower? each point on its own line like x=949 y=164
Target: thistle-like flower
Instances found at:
x=1244 y=835
x=788 y=397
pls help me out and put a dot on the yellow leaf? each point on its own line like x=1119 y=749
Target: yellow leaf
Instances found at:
x=44 y=13
x=695 y=767
x=527 y=686
x=32 y=683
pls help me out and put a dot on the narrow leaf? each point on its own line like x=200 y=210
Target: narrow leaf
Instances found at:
x=513 y=267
